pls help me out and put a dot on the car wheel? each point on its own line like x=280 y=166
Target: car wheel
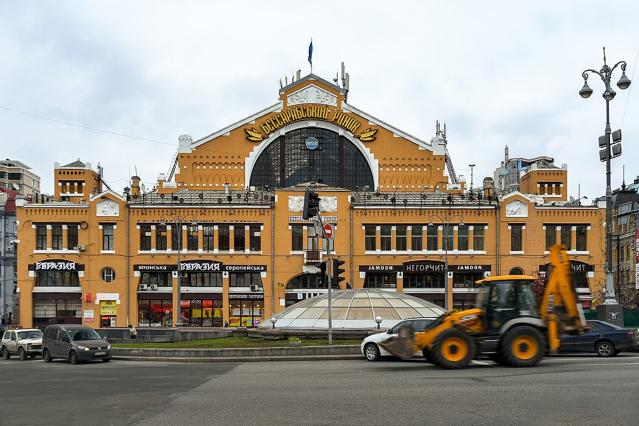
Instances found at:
x=73 y=357
x=22 y=354
x=371 y=352
x=5 y=353
x=605 y=349
x=46 y=356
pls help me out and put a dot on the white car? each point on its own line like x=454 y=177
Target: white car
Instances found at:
x=22 y=342
x=370 y=346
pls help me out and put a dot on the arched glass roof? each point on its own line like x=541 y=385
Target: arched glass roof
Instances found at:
x=355 y=309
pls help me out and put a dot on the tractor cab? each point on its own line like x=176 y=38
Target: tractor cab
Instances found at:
x=505 y=298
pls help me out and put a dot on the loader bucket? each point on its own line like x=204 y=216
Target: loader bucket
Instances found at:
x=402 y=344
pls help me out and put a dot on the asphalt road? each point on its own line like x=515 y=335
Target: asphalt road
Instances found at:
x=562 y=390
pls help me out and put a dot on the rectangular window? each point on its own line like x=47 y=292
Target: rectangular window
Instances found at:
x=56 y=236
x=400 y=237
x=161 y=279
x=255 y=234
x=176 y=237
x=223 y=235
x=431 y=238
x=72 y=237
x=448 y=238
x=209 y=237
x=160 y=237
x=201 y=279
x=416 y=238
x=462 y=237
x=239 y=238
x=582 y=238
x=57 y=279
x=41 y=237
x=107 y=237
x=370 y=235
x=551 y=236
x=478 y=237
x=516 y=238
x=297 y=237
x=191 y=237
x=566 y=236
x=245 y=279
x=145 y=237
x=386 y=237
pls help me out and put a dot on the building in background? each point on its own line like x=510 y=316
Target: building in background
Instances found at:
x=221 y=238
x=8 y=247
x=625 y=234
x=18 y=177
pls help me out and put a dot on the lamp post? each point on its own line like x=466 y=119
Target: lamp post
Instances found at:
x=446 y=219
x=273 y=321
x=611 y=310
x=378 y=320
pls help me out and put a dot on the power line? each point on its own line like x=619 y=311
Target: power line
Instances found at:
x=634 y=67
x=81 y=126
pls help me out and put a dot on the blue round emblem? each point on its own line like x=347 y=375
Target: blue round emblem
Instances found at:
x=312 y=143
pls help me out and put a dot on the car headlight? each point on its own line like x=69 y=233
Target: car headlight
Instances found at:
x=109 y=346
x=83 y=348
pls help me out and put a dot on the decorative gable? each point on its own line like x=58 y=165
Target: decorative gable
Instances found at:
x=311 y=94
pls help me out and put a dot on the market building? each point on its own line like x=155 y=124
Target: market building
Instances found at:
x=222 y=235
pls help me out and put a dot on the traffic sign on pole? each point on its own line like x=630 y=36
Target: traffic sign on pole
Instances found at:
x=328 y=231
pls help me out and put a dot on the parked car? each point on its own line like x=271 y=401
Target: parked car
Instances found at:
x=604 y=339
x=75 y=343
x=370 y=347
x=22 y=342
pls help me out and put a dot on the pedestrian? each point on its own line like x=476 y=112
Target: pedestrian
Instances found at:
x=133 y=333
x=226 y=324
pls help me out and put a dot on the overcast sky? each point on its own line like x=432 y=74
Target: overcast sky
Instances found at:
x=496 y=72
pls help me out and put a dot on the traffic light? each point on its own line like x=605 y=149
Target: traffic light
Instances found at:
x=311 y=205
x=323 y=280
x=338 y=270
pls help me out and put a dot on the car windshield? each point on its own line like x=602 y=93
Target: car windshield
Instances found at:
x=84 y=334
x=30 y=334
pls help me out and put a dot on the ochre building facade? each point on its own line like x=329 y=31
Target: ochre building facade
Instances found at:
x=222 y=236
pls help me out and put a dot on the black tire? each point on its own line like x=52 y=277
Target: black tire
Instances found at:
x=73 y=357
x=605 y=349
x=428 y=356
x=46 y=356
x=453 y=349
x=522 y=347
x=371 y=352
x=5 y=353
x=22 y=354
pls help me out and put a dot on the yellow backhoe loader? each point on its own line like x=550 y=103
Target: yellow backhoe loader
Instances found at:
x=505 y=324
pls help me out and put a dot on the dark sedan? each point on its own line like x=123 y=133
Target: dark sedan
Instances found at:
x=604 y=339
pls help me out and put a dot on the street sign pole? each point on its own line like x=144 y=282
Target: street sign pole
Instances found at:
x=329 y=279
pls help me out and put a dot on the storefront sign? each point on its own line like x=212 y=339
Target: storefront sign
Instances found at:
x=469 y=268
x=575 y=266
x=88 y=314
x=108 y=307
x=246 y=296
x=304 y=112
x=200 y=266
x=424 y=267
x=244 y=268
x=325 y=219
x=56 y=265
x=154 y=268
x=381 y=268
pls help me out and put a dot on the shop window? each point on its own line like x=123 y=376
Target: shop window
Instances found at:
x=60 y=311
x=516 y=237
x=566 y=236
x=380 y=280
x=160 y=237
x=176 y=237
x=224 y=237
x=385 y=237
x=41 y=237
x=400 y=237
x=255 y=234
x=308 y=281
x=107 y=237
x=56 y=236
x=155 y=312
x=191 y=237
x=72 y=237
x=466 y=279
x=478 y=237
x=370 y=237
x=245 y=313
x=416 y=238
x=108 y=274
x=551 y=236
x=448 y=237
x=462 y=237
x=582 y=238
x=245 y=279
x=431 y=238
x=201 y=279
x=580 y=279
x=202 y=312
x=297 y=237
x=435 y=280
x=57 y=279
x=145 y=237
x=239 y=238
x=161 y=279
x=208 y=237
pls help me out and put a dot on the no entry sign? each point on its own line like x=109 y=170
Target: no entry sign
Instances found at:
x=328 y=231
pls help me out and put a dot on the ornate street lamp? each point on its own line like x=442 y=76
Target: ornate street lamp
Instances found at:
x=610 y=310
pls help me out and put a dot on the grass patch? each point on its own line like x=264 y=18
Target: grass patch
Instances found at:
x=235 y=342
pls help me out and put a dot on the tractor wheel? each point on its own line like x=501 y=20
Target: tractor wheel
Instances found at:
x=453 y=349
x=522 y=347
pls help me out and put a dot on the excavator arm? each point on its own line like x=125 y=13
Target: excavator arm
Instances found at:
x=559 y=307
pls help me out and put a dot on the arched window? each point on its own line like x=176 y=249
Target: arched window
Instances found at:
x=333 y=160
x=516 y=271
x=307 y=281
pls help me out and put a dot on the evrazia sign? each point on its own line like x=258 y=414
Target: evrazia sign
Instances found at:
x=200 y=266
x=56 y=265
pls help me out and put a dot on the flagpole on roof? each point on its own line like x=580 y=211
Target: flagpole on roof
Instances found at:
x=310 y=54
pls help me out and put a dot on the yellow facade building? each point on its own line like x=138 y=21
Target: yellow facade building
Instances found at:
x=222 y=236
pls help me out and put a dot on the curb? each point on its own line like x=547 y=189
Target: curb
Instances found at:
x=239 y=359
